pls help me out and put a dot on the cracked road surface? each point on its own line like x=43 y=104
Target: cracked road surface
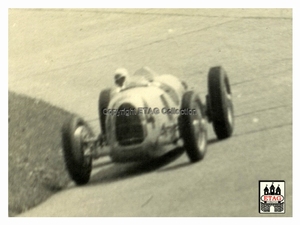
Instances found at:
x=67 y=56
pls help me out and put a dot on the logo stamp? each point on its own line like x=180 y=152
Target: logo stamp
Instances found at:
x=271 y=196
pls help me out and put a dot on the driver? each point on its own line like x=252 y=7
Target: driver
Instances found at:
x=121 y=79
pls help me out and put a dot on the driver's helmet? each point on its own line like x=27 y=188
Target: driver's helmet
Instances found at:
x=121 y=75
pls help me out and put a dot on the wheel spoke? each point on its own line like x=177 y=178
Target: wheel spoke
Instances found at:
x=81 y=134
x=199 y=128
x=229 y=115
x=202 y=138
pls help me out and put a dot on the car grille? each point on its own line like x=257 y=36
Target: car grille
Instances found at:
x=129 y=129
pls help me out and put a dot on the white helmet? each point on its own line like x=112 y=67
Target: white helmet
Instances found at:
x=121 y=74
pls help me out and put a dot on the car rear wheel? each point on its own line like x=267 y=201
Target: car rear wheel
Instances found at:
x=75 y=132
x=220 y=100
x=103 y=103
x=192 y=127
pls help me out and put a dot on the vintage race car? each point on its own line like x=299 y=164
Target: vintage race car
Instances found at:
x=152 y=115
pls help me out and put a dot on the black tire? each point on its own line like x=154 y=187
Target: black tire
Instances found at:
x=103 y=103
x=192 y=127
x=220 y=100
x=79 y=166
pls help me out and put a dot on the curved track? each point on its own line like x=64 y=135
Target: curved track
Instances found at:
x=67 y=56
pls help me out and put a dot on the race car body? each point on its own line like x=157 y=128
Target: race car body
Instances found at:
x=148 y=117
x=142 y=119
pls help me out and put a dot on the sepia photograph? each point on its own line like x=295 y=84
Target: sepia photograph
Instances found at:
x=150 y=112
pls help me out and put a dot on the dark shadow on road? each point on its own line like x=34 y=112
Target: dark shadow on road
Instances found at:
x=215 y=140
x=212 y=141
x=187 y=163
x=120 y=171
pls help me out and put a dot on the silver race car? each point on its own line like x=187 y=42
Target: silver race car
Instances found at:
x=152 y=115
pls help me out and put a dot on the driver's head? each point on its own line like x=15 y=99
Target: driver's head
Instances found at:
x=121 y=75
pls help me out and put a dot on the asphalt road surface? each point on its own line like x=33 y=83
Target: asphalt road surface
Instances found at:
x=66 y=57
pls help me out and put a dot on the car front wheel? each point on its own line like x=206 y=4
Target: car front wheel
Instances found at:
x=75 y=133
x=192 y=126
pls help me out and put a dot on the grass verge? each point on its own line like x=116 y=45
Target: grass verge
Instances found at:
x=35 y=165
